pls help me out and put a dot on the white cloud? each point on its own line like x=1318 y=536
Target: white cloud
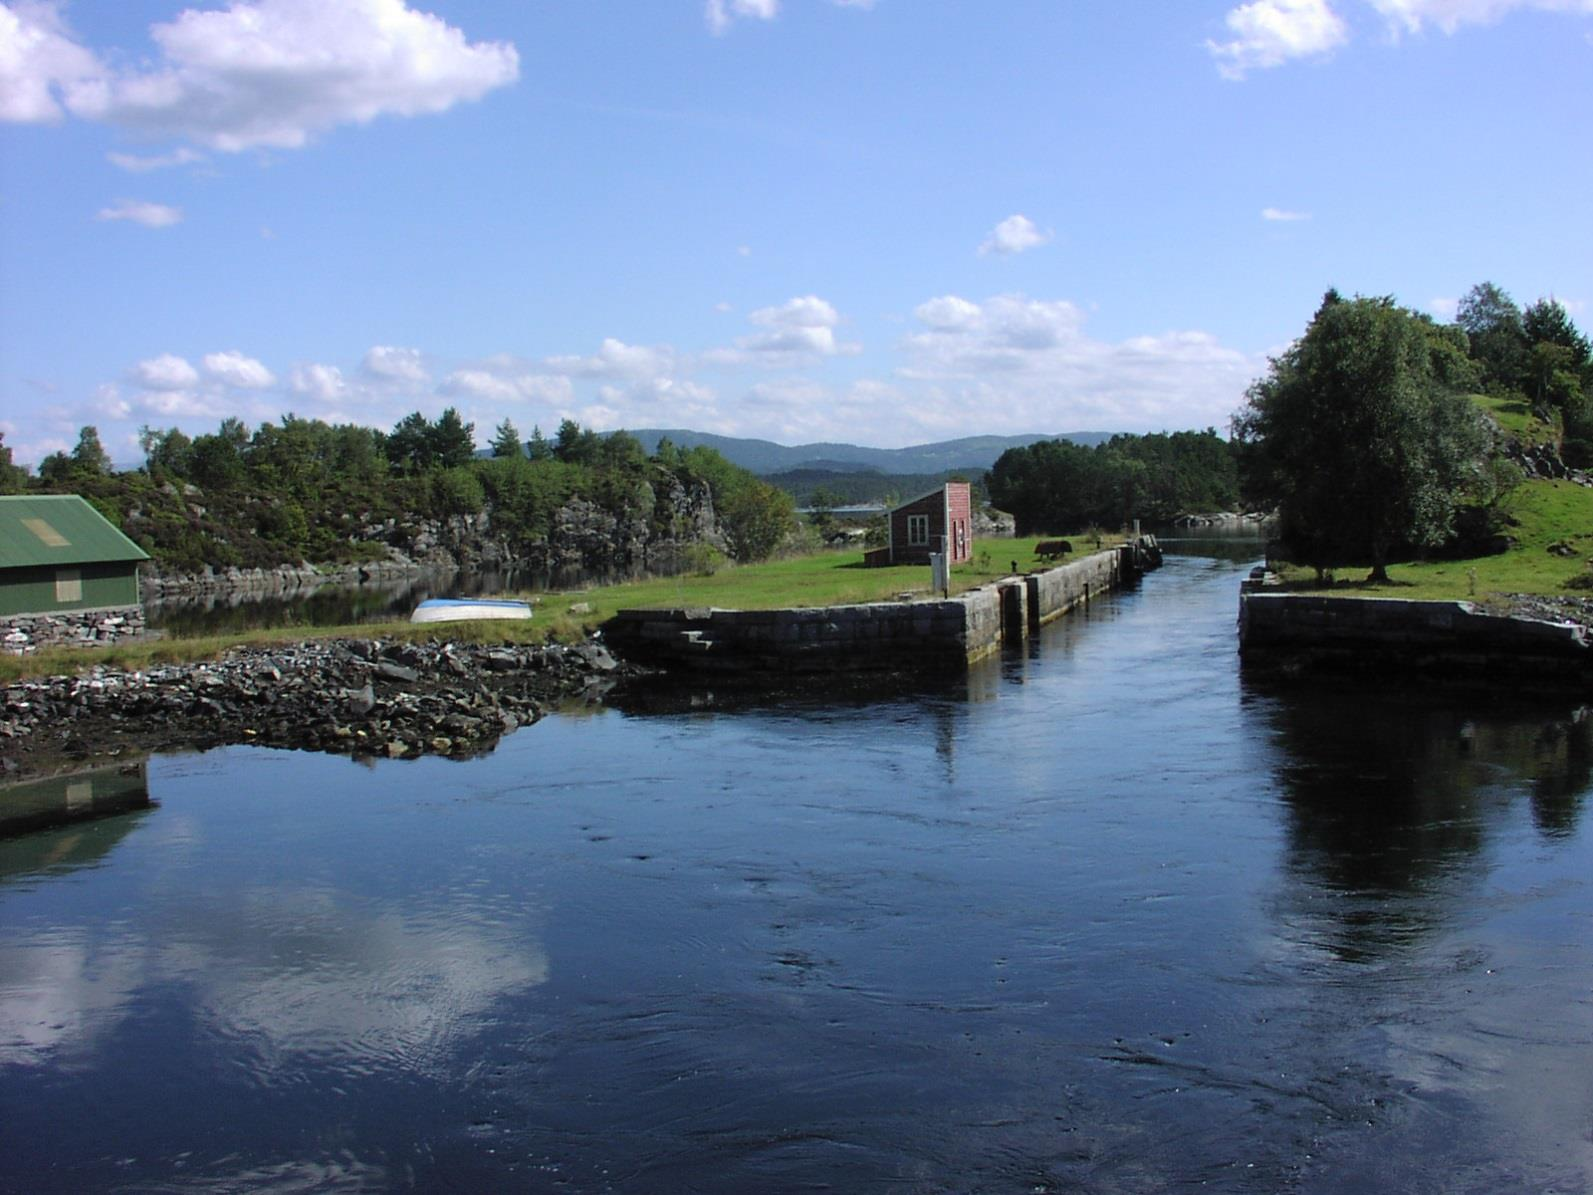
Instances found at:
x=949 y=312
x=1278 y=215
x=1015 y=234
x=150 y=215
x=1268 y=33
x=1444 y=308
x=165 y=372
x=793 y=332
x=39 y=62
x=508 y=386
x=139 y=165
x=324 y=383
x=393 y=364
x=1410 y=16
x=721 y=14
x=616 y=359
x=1029 y=365
x=232 y=368
x=257 y=73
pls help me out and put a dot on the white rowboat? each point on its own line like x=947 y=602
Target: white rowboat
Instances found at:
x=462 y=609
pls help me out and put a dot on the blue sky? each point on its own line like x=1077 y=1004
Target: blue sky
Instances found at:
x=884 y=222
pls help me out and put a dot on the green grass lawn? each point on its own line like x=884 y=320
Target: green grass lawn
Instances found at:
x=1515 y=418
x=1548 y=512
x=821 y=579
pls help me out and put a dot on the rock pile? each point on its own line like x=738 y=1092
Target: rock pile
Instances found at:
x=349 y=696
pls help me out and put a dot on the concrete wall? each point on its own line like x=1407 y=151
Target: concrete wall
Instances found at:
x=1371 y=634
x=932 y=634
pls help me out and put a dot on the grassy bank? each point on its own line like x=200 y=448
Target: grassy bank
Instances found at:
x=821 y=579
x=1547 y=513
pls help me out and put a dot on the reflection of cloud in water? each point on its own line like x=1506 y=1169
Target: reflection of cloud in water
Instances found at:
x=58 y=993
x=299 y=972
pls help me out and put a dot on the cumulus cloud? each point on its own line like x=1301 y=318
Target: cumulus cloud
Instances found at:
x=1015 y=234
x=392 y=364
x=150 y=215
x=324 y=383
x=508 y=385
x=616 y=359
x=165 y=372
x=232 y=368
x=721 y=14
x=39 y=61
x=1031 y=365
x=1278 y=215
x=1268 y=33
x=798 y=329
x=258 y=73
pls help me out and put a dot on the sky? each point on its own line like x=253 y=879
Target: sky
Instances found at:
x=884 y=222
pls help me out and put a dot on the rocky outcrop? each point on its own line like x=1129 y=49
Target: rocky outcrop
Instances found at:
x=348 y=696
x=652 y=533
x=1542 y=462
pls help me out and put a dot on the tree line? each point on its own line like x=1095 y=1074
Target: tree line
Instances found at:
x=1362 y=438
x=1057 y=486
x=299 y=489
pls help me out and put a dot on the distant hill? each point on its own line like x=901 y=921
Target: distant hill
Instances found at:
x=856 y=486
x=765 y=456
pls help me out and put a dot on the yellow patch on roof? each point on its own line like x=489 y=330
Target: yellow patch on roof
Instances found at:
x=47 y=534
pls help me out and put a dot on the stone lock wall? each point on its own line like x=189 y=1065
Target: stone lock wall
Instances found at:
x=1371 y=634
x=943 y=634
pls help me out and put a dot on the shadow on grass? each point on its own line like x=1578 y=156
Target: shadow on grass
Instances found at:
x=1360 y=585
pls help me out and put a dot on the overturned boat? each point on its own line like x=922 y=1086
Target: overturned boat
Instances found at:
x=464 y=609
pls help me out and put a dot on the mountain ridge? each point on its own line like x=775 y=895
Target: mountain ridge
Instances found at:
x=766 y=456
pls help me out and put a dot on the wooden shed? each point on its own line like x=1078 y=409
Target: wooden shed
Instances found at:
x=59 y=554
x=939 y=521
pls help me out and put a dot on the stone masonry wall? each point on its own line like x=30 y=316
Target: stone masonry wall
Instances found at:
x=1299 y=631
x=930 y=634
x=23 y=633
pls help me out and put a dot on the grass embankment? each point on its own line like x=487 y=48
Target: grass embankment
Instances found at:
x=1548 y=514
x=821 y=579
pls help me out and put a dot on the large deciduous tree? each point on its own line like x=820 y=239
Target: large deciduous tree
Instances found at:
x=1493 y=325
x=1356 y=439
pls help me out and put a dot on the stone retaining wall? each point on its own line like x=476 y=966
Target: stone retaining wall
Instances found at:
x=919 y=635
x=1303 y=631
x=23 y=633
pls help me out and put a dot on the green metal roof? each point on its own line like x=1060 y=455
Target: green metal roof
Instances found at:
x=40 y=529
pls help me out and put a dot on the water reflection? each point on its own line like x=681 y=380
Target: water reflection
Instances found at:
x=76 y=796
x=1100 y=918
x=376 y=600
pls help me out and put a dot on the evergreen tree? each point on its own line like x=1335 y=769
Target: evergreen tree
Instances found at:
x=506 y=440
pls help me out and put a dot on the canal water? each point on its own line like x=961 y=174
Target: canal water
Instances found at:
x=1104 y=917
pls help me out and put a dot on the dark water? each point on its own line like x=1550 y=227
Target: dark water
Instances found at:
x=1102 y=919
x=379 y=600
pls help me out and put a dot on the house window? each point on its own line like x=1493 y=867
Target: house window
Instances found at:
x=68 y=585
x=917 y=530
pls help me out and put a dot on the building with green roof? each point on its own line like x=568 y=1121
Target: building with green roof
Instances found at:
x=58 y=554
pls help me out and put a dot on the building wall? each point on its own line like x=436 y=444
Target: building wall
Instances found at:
x=947 y=510
x=51 y=590
x=959 y=516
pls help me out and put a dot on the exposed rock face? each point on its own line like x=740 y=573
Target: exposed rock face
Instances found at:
x=1542 y=462
x=657 y=527
x=348 y=696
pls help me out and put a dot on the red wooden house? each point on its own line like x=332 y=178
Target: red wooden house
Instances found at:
x=940 y=521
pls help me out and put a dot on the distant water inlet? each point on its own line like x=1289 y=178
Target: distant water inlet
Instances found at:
x=1098 y=913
